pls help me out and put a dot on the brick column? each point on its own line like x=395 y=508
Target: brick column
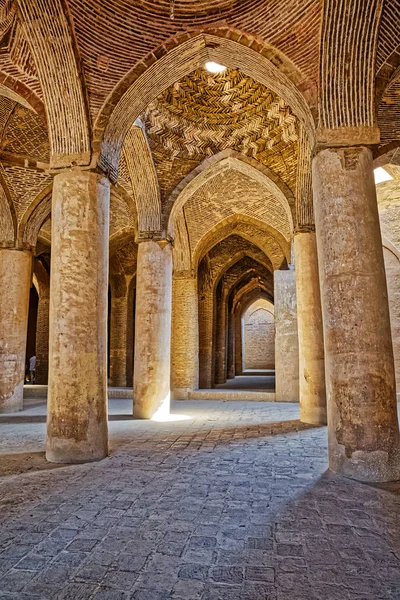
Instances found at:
x=118 y=330
x=153 y=330
x=221 y=335
x=77 y=398
x=238 y=340
x=311 y=335
x=231 y=344
x=206 y=306
x=363 y=428
x=15 y=281
x=42 y=324
x=185 y=337
x=286 y=338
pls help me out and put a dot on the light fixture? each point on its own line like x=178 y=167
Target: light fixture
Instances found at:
x=381 y=175
x=213 y=67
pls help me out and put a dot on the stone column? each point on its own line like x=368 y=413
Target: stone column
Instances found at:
x=118 y=331
x=286 y=338
x=362 y=417
x=310 y=330
x=185 y=337
x=15 y=281
x=77 y=393
x=152 y=330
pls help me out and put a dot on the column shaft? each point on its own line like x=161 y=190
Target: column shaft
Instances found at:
x=238 y=341
x=185 y=337
x=362 y=416
x=15 y=281
x=221 y=336
x=77 y=397
x=286 y=337
x=153 y=330
x=231 y=345
x=42 y=340
x=310 y=330
x=118 y=333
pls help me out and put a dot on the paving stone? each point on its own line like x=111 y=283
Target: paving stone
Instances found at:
x=235 y=503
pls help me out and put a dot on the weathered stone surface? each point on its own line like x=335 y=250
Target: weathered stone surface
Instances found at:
x=310 y=330
x=363 y=424
x=153 y=330
x=15 y=281
x=286 y=337
x=77 y=392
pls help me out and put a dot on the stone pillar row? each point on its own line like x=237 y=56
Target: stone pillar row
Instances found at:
x=341 y=320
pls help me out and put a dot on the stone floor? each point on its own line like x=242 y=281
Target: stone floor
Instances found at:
x=246 y=382
x=232 y=503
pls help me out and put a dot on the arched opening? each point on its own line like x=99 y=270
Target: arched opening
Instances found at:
x=258 y=331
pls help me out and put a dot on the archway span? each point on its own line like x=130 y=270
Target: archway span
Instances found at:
x=274 y=246
x=184 y=55
x=35 y=215
x=223 y=160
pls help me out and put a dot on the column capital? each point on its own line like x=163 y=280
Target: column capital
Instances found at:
x=304 y=229
x=156 y=237
x=344 y=137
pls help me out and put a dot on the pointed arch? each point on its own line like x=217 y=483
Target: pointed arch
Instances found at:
x=223 y=161
x=178 y=58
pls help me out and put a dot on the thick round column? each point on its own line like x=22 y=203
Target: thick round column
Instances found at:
x=185 y=337
x=152 y=330
x=310 y=330
x=77 y=392
x=15 y=281
x=118 y=331
x=362 y=417
x=286 y=337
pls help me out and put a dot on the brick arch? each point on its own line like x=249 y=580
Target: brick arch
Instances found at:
x=257 y=232
x=143 y=176
x=35 y=215
x=8 y=219
x=269 y=309
x=49 y=36
x=235 y=261
x=176 y=59
x=347 y=78
x=19 y=92
x=219 y=163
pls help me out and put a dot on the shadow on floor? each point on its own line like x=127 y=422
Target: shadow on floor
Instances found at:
x=25 y=462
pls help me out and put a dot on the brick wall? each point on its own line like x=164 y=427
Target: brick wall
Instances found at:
x=259 y=336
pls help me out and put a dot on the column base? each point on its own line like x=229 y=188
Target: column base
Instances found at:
x=15 y=402
x=180 y=393
x=71 y=452
x=371 y=467
x=313 y=416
